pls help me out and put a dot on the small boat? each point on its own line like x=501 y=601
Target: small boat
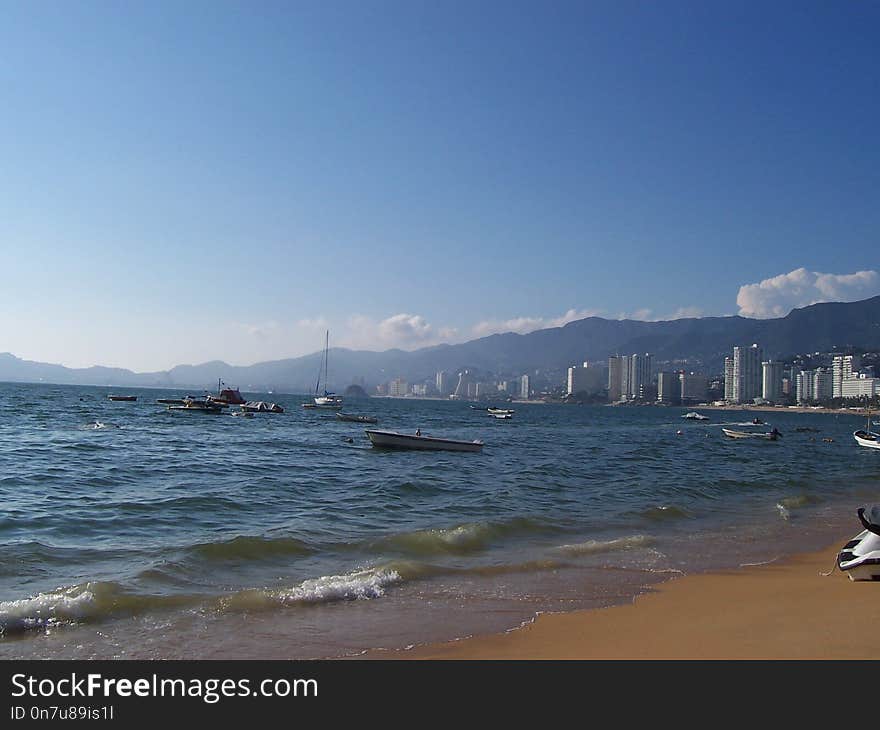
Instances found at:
x=123 y=397
x=203 y=405
x=501 y=416
x=260 y=406
x=768 y=436
x=694 y=416
x=860 y=557
x=496 y=411
x=356 y=419
x=395 y=440
x=757 y=421
x=867 y=437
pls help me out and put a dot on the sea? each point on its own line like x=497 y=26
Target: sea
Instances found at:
x=131 y=531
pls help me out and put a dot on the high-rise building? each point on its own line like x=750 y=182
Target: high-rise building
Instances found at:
x=524 y=387
x=814 y=385
x=728 y=379
x=443 y=382
x=668 y=387
x=640 y=367
x=771 y=381
x=844 y=367
x=746 y=374
x=615 y=377
x=694 y=387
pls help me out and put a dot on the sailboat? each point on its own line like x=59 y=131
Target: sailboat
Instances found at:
x=867 y=437
x=327 y=400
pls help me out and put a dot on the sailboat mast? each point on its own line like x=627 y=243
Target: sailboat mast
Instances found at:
x=326 y=356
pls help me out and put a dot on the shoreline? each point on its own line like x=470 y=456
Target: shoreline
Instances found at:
x=783 y=609
x=861 y=412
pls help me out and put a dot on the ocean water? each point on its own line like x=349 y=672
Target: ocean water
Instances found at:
x=130 y=531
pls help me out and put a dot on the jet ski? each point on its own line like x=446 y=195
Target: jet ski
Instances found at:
x=860 y=557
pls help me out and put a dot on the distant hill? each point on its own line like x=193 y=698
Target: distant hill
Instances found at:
x=702 y=342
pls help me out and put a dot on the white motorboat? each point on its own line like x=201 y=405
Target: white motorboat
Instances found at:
x=203 y=405
x=860 y=557
x=395 y=440
x=767 y=436
x=500 y=411
x=501 y=416
x=694 y=416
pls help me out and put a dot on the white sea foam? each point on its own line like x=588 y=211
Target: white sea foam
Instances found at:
x=361 y=584
x=46 y=609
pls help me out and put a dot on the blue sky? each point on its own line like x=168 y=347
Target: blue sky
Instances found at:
x=187 y=181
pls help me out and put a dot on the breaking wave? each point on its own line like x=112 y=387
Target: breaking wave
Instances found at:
x=86 y=602
x=359 y=585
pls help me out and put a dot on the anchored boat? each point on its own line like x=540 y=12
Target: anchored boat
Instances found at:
x=860 y=557
x=395 y=440
x=694 y=416
x=123 y=397
x=867 y=437
x=203 y=405
x=261 y=406
x=329 y=400
x=767 y=436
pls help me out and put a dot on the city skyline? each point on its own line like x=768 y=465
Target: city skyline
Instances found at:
x=183 y=184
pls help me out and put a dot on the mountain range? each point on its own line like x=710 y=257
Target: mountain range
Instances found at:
x=696 y=343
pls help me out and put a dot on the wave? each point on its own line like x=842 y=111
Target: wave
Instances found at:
x=359 y=585
x=469 y=537
x=592 y=547
x=245 y=547
x=90 y=601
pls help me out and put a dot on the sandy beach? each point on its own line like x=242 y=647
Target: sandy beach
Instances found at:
x=781 y=610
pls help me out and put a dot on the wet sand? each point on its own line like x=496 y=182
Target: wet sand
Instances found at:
x=782 y=610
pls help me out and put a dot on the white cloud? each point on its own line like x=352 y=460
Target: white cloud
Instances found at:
x=405 y=331
x=777 y=296
x=524 y=325
x=405 y=328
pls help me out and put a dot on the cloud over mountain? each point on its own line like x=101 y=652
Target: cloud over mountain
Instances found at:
x=778 y=295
